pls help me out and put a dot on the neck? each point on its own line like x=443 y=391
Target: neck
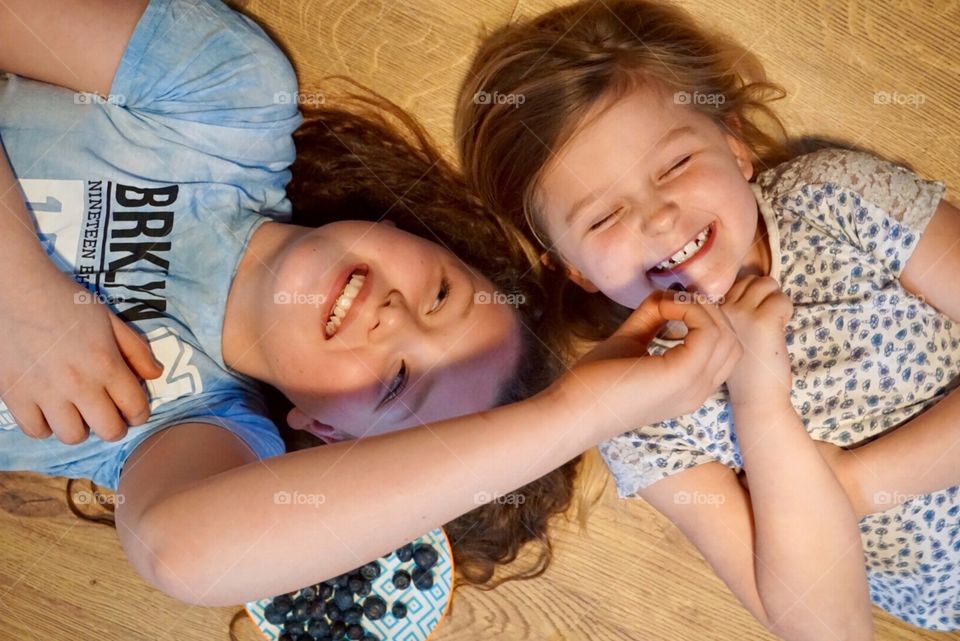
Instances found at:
x=246 y=317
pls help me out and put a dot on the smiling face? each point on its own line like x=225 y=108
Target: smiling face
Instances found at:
x=420 y=341
x=638 y=184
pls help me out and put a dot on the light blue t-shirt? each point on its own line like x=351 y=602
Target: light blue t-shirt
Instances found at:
x=148 y=198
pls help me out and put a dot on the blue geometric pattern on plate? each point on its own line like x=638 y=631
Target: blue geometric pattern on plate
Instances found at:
x=425 y=608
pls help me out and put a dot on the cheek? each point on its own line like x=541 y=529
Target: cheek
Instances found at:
x=618 y=267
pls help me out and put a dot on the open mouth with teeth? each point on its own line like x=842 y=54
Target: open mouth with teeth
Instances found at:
x=345 y=300
x=693 y=249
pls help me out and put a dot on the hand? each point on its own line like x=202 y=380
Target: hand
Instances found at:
x=618 y=385
x=67 y=361
x=758 y=311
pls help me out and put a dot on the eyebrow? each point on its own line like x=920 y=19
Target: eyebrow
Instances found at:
x=666 y=139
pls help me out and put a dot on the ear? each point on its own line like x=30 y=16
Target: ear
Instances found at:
x=297 y=420
x=740 y=150
x=582 y=281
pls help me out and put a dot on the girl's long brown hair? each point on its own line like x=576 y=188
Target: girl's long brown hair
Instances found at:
x=367 y=159
x=531 y=84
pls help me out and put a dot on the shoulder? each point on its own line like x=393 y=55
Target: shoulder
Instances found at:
x=824 y=172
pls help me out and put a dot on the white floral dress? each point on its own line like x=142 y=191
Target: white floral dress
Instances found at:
x=866 y=356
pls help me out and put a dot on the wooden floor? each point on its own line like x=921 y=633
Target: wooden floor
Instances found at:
x=631 y=575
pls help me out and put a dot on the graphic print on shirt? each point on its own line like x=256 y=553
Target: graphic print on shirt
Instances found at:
x=180 y=378
x=121 y=248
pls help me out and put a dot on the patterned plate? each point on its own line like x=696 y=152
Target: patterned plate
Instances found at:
x=425 y=608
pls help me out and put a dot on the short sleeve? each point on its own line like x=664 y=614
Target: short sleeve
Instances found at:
x=641 y=457
x=877 y=206
x=199 y=60
x=240 y=414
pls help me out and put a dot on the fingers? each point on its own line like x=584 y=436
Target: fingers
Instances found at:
x=135 y=350
x=30 y=420
x=100 y=413
x=130 y=398
x=65 y=421
x=711 y=348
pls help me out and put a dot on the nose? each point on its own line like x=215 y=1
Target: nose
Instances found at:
x=658 y=216
x=392 y=317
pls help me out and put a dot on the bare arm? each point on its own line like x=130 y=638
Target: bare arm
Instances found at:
x=919 y=457
x=208 y=531
x=807 y=539
x=76 y=44
x=808 y=548
x=225 y=540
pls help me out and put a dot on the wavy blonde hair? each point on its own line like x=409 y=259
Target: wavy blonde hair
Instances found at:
x=554 y=68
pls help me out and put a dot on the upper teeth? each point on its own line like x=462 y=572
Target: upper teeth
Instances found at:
x=688 y=250
x=354 y=285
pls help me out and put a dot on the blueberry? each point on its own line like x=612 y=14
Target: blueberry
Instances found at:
x=285 y=637
x=338 y=629
x=300 y=609
x=283 y=603
x=355 y=584
x=353 y=614
x=293 y=628
x=405 y=553
x=343 y=598
x=370 y=571
x=399 y=610
x=366 y=589
x=326 y=591
x=274 y=616
x=423 y=579
x=309 y=592
x=374 y=607
x=317 y=609
x=331 y=582
x=425 y=556
x=354 y=632
x=304 y=637
x=318 y=628
x=401 y=579
x=333 y=612
x=370 y=637
x=343 y=580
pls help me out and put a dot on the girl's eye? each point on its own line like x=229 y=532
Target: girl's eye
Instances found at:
x=399 y=382
x=678 y=165
x=443 y=295
x=597 y=225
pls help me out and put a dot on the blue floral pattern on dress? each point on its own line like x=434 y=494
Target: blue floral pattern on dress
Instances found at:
x=866 y=356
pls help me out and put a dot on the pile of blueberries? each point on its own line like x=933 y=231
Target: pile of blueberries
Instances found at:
x=334 y=609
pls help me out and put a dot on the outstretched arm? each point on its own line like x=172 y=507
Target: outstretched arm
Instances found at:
x=206 y=529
